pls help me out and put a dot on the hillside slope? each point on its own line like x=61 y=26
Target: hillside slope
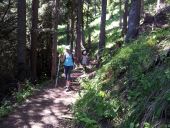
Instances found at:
x=131 y=89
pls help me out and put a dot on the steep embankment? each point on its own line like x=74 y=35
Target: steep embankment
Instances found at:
x=131 y=89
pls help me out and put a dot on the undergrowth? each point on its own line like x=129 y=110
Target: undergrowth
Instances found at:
x=130 y=89
x=18 y=97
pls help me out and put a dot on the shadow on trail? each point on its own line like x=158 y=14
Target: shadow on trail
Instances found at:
x=45 y=108
x=48 y=108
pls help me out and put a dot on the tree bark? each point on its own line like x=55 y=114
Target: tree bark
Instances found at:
x=83 y=38
x=102 y=37
x=68 y=30
x=78 y=30
x=82 y=25
x=21 y=53
x=88 y=27
x=142 y=8
x=34 y=41
x=54 y=37
x=120 y=12
x=95 y=7
x=89 y=42
x=134 y=20
x=72 y=23
x=125 y=14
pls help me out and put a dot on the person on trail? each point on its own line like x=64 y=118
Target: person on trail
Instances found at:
x=84 y=60
x=68 y=60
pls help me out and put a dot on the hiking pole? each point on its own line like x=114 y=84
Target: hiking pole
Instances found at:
x=58 y=69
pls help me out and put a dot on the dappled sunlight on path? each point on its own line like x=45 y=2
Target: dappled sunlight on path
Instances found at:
x=49 y=108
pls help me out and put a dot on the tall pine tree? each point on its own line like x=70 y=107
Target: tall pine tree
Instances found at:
x=21 y=54
x=102 y=27
x=34 y=41
x=134 y=20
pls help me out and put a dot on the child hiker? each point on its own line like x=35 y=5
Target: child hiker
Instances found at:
x=68 y=66
x=84 y=60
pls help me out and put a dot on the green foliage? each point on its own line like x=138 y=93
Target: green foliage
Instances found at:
x=129 y=88
x=94 y=106
x=5 y=109
x=147 y=125
x=24 y=93
x=60 y=49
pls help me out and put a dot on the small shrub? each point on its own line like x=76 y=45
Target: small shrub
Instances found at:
x=5 y=109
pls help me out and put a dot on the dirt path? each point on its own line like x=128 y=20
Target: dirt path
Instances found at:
x=49 y=108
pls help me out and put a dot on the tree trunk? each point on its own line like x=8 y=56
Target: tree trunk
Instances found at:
x=35 y=5
x=78 y=30
x=125 y=14
x=102 y=28
x=95 y=7
x=68 y=30
x=120 y=12
x=54 y=37
x=83 y=38
x=82 y=26
x=134 y=20
x=72 y=23
x=142 y=8
x=49 y=58
x=21 y=53
x=160 y=4
x=89 y=42
x=87 y=26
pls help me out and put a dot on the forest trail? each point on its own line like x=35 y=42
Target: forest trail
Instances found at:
x=49 y=108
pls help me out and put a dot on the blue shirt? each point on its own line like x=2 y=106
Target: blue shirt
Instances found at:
x=68 y=60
